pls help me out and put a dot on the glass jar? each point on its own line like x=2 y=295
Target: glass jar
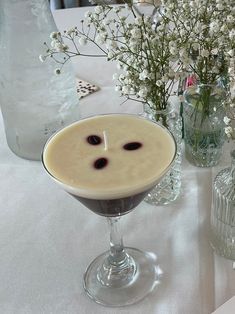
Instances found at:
x=223 y=212
x=203 y=114
x=168 y=189
x=35 y=102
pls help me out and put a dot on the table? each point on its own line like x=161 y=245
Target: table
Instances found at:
x=47 y=238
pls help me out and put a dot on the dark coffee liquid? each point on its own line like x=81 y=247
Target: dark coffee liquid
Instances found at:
x=112 y=208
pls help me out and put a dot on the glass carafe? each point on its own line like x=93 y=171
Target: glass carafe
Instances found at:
x=223 y=212
x=35 y=102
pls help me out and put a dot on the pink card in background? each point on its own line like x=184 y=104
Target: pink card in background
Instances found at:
x=227 y=308
x=84 y=88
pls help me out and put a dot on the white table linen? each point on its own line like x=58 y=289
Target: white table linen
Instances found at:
x=47 y=238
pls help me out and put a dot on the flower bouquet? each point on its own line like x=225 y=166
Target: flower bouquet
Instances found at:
x=207 y=29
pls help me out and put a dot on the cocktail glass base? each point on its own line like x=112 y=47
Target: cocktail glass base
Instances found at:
x=145 y=277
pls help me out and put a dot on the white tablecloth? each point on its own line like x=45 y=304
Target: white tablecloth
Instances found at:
x=47 y=238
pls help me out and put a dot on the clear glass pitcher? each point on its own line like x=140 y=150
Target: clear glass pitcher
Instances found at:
x=35 y=102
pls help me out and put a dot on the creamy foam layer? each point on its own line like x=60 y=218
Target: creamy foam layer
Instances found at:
x=70 y=156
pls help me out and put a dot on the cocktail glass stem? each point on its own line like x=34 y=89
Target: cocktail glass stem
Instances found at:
x=118 y=268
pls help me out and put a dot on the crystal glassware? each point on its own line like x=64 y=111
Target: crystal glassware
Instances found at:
x=203 y=113
x=169 y=187
x=35 y=102
x=109 y=163
x=223 y=212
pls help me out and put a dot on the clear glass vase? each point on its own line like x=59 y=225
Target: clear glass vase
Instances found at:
x=168 y=189
x=223 y=212
x=35 y=102
x=203 y=114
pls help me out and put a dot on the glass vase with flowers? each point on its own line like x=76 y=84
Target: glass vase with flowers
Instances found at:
x=207 y=29
x=222 y=231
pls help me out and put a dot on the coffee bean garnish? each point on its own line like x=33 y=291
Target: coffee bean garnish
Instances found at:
x=100 y=163
x=94 y=140
x=132 y=146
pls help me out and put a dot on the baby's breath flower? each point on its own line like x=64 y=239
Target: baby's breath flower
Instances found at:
x=125 y=89
x=115 y=76
x=227 y=120
x=204 y=53
x=143 y=75
x=98 y=9
x=228 y=130
x=118 y=88
x=54 y=35
x=153 y=52
x=70 y=31
x=54 y=43
x=82 y=41
x=88 y=14
x=110 y=55
x=42 y=58
x=142 y=92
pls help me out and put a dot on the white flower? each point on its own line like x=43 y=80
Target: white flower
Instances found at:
x=230 y=19
x=215 y=70
x=115 y=76
x=214 y=27
x=220 y=6
x=117 y=88
x=106 y=21
x=205 y=53
x=116 y=9
x=88 y=14
x=214 y=51
x=54 y=35
x=54 y=43
x=142 y=92
x=143 y=75
x=196 y=46
x=138 y=20
x=59 y=46
x=224 y=28
x=183 y=53
x=125 y=90
x=110 y=55
x=231 y=53
x=82 y=41
x=173 y=50
x=121 y=77
x=42 y=58
x=111 y=44
x=182 y=32
x=159 y=83
x=70 y=31
x=135 y=32
x=228 y=130
x=164 y=79
x=227 y=120
x=100 y=39
x=119 y=65
x=98 y=9
x=232 y=34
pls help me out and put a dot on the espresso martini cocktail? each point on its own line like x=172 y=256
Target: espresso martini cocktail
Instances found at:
x=109 y=163
x=109 y=157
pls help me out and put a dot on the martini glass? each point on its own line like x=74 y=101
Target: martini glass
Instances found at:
x=122 y=275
